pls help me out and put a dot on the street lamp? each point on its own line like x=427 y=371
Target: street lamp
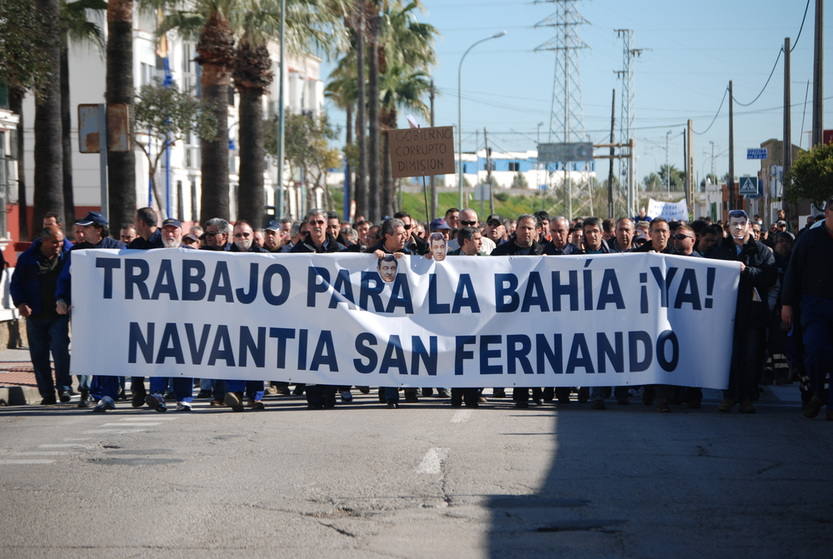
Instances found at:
x=460 y=111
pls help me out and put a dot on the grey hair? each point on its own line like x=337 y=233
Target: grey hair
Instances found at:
x=223 y=226
x=314 y=212
x=390 y=225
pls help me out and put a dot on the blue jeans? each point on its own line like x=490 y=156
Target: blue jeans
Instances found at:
x=817 y=328
x=105 y=386
x=254 y=388
x=183 y=387
x=49 y=335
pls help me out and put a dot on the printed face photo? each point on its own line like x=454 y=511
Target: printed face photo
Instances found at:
x=439 y=247
x=387 y=268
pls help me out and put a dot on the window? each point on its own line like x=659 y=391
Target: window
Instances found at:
x=514 y=166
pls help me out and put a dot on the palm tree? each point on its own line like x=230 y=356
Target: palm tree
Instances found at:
x=401 y=86
x=121 y=175
x=252 y=76
x=48 y=150
x=77 y=28
x=309 y=23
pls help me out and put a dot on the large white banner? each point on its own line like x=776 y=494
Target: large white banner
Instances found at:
x=601 y=320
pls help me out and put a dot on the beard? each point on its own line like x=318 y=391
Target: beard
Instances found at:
x=170 y=243
x=244 y=245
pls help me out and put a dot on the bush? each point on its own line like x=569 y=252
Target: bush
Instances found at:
x=501 y=196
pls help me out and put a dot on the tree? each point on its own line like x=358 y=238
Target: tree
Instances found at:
x=307 y=149
x=519 y=181
x=164 y=115
x=252 y=76
x=48 y=196
x=811 y=175
x=121 y=175
x=75 y=27
x=24 y=65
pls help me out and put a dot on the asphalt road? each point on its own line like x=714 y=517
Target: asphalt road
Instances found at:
x=425 y=480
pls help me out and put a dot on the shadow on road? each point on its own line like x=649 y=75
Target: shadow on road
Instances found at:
x=630 y=482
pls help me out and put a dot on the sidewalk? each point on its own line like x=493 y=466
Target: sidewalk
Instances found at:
x=17 y=378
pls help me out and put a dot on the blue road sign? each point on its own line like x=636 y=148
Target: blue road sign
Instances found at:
x=756 y=153
x=749 y=186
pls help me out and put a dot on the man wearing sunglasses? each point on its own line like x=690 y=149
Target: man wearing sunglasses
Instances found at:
x=468 y=218
x=319 y=240
x=808 y=284
x=415 y=243
x=684 y=240
x=757 y=275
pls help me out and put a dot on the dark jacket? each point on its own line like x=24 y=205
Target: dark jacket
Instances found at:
x=330 y=245
x=64 y=288
x=381 y=246
x=155 y=241
x=758 y=275
x=605 y=249
x=253 y=248
x=649 y=246
x=511 y=249
x=35 y=278
x=810 y=271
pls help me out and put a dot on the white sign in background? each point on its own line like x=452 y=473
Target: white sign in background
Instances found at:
x=672 y=211
x=605 y=320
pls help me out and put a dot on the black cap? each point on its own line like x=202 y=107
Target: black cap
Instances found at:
x=273 y=225
x=92 y=218
x=171 y=222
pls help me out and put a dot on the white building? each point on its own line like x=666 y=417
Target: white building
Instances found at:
x=304 y=93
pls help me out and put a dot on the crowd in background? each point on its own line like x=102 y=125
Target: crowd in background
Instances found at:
x=771 y=344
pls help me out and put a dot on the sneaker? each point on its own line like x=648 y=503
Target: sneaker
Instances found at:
x=48 y=401
x=84 y=403
x=106 y=403
x=65 y=397
x=183 y=407
x=138 y=398
x=233 y=401
x=156 y=402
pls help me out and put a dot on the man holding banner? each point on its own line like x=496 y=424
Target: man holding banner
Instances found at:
x=757 y=275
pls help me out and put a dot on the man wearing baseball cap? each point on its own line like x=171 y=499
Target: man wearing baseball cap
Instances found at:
x=96 y=233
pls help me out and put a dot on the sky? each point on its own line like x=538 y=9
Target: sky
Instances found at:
x=691 y=51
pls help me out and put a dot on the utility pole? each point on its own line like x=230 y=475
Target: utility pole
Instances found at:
x=610 y=169
x=711 y=171
x=689 y=170
x=488 y=175
x=667 y=168
x=787 y=152
x=818 y=65
x=431 y=95
x=731 y=181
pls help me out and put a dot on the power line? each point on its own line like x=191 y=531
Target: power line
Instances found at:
x=800 y=29
x=777 y=58
x=725 y=92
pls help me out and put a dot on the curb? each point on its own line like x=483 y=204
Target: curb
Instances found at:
x=19 y=395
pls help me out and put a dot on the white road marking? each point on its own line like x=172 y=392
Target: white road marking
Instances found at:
x=26 y=461
x=432 y=461
x=77 y=439
x=150 y=418
x=461 y=416
x=42 y=453
x=65 y=445
x=129 y=424
x=115 y=431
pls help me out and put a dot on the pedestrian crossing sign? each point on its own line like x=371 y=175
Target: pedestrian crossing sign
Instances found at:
x=749 y=186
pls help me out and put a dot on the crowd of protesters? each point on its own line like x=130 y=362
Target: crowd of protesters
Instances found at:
x=783 y=331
